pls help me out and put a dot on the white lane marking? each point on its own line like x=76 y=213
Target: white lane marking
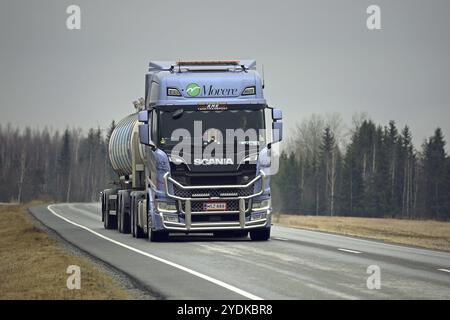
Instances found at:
x=332 y=292
x=281 y=239
x=428 y=252
x=444 y=270
x=348 y=250
x=173 y=264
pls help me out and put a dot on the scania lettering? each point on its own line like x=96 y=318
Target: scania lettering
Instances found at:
x=207 y=162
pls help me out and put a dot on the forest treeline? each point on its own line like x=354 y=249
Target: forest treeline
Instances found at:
x=368 y=171
x=325 y=169
x=66 y=167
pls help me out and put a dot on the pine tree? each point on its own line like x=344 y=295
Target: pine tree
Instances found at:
x=328 y=163
x=407 y=158
x=111 y=128
x=392 y=148
x=436 y=187
x=351 y=193
x=64 y=166
x=287 y=190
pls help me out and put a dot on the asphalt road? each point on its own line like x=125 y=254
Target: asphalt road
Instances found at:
x=294 y=264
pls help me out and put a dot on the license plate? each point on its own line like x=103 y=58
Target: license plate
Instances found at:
x=214 y=206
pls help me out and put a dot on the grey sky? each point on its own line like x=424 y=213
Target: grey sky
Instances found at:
x=318 y=57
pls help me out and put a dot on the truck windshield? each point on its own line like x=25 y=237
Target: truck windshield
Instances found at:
x=213 y=126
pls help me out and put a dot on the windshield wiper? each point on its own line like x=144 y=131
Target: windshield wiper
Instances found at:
x=177 y=114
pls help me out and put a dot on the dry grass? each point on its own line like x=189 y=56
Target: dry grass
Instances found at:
x=33 y=266
x=425 y=233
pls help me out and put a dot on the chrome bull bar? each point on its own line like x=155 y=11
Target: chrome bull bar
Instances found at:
x=188 y=200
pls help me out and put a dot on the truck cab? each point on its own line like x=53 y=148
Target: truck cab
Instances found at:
x=202 y=156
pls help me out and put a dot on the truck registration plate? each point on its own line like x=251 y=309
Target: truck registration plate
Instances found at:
x=214 y=206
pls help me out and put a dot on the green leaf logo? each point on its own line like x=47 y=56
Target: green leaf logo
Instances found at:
x=193 y=89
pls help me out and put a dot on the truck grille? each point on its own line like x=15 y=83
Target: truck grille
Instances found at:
x=213 y=193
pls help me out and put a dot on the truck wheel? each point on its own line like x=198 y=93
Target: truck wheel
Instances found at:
x=132 y=225
x=260 y=235
x=109 y=221
x=157 y=236
x=123 y=212
x=118 y=206
x=138 y=232
x=103 y=207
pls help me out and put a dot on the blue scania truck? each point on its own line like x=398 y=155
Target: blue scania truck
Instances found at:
x=197 y=154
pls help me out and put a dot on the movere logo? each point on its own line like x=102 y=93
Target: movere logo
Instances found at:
x=193 y=89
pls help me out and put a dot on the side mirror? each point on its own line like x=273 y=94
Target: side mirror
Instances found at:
x=277 y=126
x=144 y=129
x=277 y=114
x=277 y=131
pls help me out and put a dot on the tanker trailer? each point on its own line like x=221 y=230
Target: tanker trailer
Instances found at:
x=126 y=157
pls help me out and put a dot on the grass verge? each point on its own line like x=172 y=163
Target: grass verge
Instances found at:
x=421 y=233
x=33 y=265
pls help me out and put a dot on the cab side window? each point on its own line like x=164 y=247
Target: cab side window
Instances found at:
x=154 y=93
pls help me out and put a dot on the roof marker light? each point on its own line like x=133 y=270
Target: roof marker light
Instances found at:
x=208 y=63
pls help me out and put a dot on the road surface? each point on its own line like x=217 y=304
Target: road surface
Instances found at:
x=294 y=264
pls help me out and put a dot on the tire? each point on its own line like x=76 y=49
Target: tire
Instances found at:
x=118 y=206
x=132 y=217
x=154 y=236
x=136 y=230
x=139 y=232
x=123 y=212
x=103 y=207
x=157 y=236
x=109 y=221
x=260 y=235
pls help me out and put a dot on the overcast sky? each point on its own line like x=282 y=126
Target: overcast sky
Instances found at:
x=318 y=56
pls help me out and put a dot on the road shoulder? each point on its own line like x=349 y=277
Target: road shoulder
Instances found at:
x=35 y=262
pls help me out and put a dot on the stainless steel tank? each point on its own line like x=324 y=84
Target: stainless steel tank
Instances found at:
x=121 y=144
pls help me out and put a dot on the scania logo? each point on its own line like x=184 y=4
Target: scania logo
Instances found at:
x=193 y=89
x=214 y=161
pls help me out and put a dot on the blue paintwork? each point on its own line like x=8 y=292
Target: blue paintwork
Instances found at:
x=232 y=82
x=235 y=80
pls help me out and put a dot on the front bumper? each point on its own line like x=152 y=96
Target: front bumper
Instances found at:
x=215 y=226
x=239 y=218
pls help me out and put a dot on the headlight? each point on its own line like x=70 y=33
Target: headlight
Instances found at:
x=249 y=91
x=163 y=206
x=261 y=205
x=173 y=92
